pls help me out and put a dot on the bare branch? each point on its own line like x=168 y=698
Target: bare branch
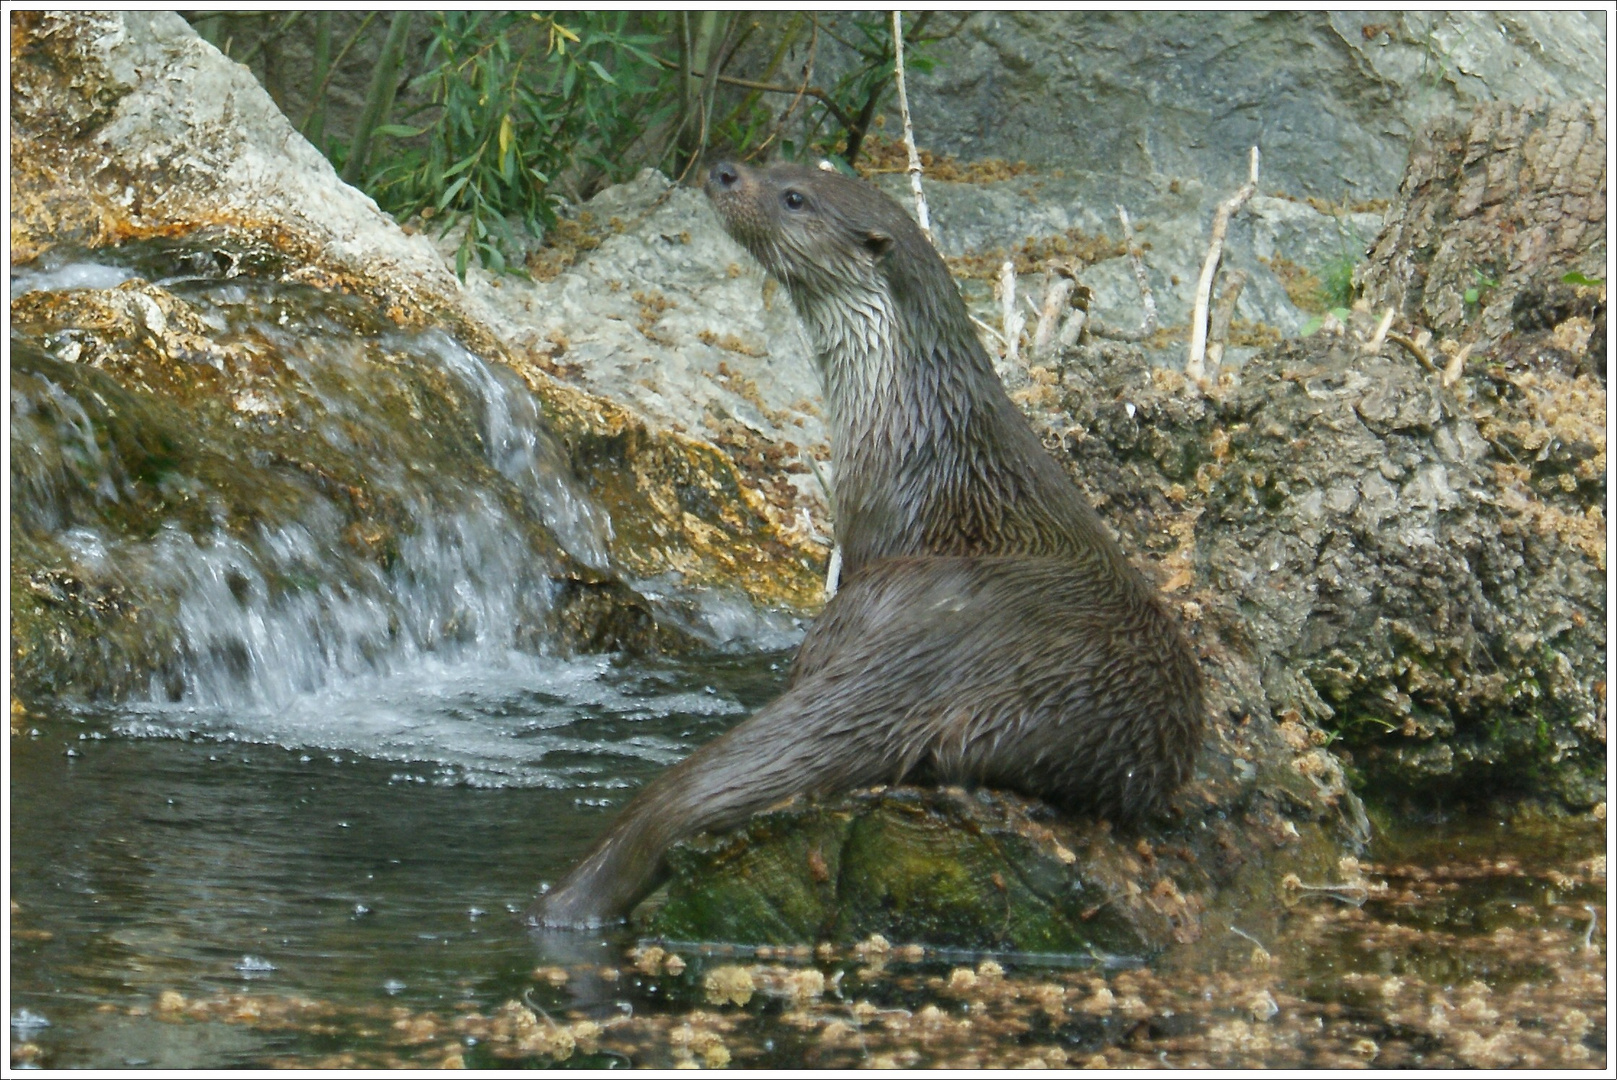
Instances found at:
x=1373 y=346
x=1456 y=365
x=1414 y=349
x=1011 y=319
x=921 y=215
x=989 y=330
x=1195 y=369
x=1055 y=304
x=748 y=84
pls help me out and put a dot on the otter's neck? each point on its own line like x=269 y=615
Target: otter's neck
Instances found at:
x=930 y=455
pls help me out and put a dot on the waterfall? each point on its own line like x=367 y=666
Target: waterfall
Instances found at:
x=244 y=563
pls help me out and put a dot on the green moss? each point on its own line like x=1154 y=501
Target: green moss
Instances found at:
x=908 y=866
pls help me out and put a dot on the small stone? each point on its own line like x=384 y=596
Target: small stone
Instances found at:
x=729 y=985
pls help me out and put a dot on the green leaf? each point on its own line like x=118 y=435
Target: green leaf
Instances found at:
x=1342 y=314
x=460 y=166
x=604 y=75
x=402 y=131
x=451 y=192
x=1312 y=326
x=1575 y=278
x=1472 y=295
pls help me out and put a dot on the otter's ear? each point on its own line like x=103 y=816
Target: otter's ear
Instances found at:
x=877 y=242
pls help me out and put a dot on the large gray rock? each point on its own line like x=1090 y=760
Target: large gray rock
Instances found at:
x=1333 y=98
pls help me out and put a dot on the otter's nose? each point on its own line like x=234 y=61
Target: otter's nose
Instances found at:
x=724 y=175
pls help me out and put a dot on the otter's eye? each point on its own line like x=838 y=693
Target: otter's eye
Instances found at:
x=793 y=199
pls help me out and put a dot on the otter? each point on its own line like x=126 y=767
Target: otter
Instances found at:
x=988 y=631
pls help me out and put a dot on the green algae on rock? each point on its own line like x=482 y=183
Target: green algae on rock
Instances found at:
x=991 y=871
x=939 y=867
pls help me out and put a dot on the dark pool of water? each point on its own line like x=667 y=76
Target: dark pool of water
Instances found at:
x=188 y=859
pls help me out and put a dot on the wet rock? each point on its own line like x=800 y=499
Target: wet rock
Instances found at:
x=986 y=870
x=196 y=503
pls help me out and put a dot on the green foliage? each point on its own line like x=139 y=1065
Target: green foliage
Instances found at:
x=1312 y=325
x=1483 y=284
x=1336 y=281
x=515 y=100
x=1575 y=278
x=510 y=107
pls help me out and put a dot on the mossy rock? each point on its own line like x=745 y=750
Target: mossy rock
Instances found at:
x=1265 y=814
x=945 y=867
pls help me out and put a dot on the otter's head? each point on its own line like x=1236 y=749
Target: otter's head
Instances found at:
x=831 y=239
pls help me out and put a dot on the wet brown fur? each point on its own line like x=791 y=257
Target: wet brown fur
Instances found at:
x=989 y=630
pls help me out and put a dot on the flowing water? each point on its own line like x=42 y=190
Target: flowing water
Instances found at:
x=306 y=836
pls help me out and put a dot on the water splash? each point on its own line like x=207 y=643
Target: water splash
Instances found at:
x=68 y=275
x=501 y=720
x=518 y=446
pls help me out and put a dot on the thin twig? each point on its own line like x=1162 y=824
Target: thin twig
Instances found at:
x=1011 y=320
x=320 y=90
x=1373 y=346
x=1055 y=303
x=1456 y=365
x=1195 y=369
x=989 y=330
x=258 y=46
x=921 y=216
x=1242 y=933
x=1414 y=349
x=1148 y=323
x=802 y=88
x=748 y=84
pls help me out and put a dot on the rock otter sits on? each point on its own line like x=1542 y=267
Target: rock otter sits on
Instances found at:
x=988 y=630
